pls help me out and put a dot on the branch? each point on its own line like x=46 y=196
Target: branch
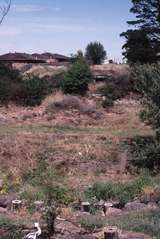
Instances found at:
x=5 y=9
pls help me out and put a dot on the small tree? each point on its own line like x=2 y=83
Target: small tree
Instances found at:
x=77 y=78
x=95 y=53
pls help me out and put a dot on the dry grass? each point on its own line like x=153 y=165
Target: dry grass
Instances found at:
x=83 y=148
x=114 y=70
x=53 y=98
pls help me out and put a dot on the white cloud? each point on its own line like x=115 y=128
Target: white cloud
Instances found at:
x=26 y=8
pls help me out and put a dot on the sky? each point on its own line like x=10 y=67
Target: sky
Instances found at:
x=64 y=26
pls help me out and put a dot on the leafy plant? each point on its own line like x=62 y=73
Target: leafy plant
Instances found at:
x=76 y=80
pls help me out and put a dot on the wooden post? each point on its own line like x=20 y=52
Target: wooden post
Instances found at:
x=85 y=206
x=111 y=233
x=106 y=206
x=16 y=204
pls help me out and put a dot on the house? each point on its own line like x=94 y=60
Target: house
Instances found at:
x=19 y=58
x=34 y=58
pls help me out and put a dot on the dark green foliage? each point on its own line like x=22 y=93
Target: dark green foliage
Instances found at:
x=145 y=153
x=5 y=91
x=117 y=88
x=143 y=44
x=95 y=53
x=9 y=78
x=33 y=90
x=28 y=91
x=123 y=192
x=77 y=78
x=50 y=218
x=147 y=83
x=138 y=48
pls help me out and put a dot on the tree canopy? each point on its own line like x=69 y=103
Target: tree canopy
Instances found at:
x=143 y=42
x=95 y=53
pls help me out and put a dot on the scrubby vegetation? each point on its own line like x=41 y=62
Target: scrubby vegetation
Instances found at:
x=117 y=88
x=145 y=153
x=145 y=222
x=146 y=150
x=46 y=184
x=147 y=78
x=76 y=80
x=26 y=90
x=123 y=192
x=33 y=90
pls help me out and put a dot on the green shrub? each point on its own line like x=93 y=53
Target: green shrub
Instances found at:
x=55 y=81
x=123 y=192
x=33 y=90
x=77 y=78
x=116 y=88
x=5 y=91
x=9 y=78
x=147 y=222
x=147 y=83
x=145 y=153
x=28 y=91
x=91 y=223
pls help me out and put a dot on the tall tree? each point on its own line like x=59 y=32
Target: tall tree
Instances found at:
x=147 y=24
x=95 y=53
x=4 y=9
x=138 y=47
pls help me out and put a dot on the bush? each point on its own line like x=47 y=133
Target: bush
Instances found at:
x=145 y=153
x=55 y=81
x=92 y=223
x=147 y=83
x=123 y=192
x=9 y=78
x=5 y=91
x=33 y=91
x=76 y=80
x=28 y=91
x=117 y=88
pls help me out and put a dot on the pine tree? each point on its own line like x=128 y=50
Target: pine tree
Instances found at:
x=147 y=22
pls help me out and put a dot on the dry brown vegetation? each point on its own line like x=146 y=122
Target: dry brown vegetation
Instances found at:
x=75 y=142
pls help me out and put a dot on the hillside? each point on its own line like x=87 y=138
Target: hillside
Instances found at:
x=67 y=145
